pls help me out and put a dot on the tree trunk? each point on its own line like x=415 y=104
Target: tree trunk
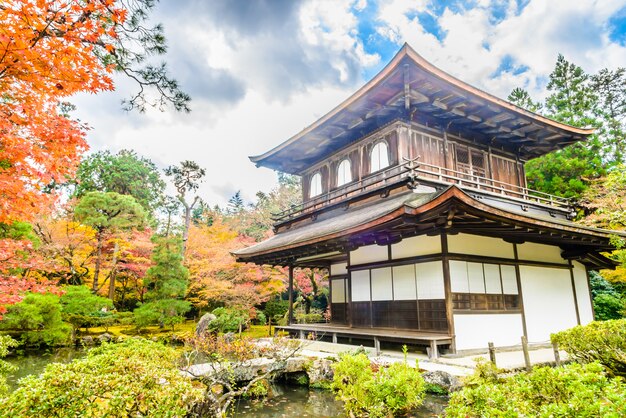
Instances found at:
x=186 y=229
x=188 y=210
x=113 y=272
x=96 y=272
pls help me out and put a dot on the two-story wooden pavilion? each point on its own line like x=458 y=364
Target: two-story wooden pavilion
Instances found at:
x=415 y=199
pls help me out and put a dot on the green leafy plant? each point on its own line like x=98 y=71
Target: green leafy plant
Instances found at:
x=228 y=319
x=574 y=390
x=388 y=391
x=6 y=343
x=37 y=321
x=83 y=309
x=601 y=341
x=134 y=378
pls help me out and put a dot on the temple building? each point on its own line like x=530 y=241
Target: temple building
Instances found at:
x=415 y=200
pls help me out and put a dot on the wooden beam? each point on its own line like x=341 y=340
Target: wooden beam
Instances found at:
x=290 y=315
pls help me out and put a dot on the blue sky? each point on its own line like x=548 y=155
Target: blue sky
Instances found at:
x=259 y=71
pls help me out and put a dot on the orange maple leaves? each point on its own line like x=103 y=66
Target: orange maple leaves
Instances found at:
x=49 y=50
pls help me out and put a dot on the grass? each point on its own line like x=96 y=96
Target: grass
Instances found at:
x=187 y=327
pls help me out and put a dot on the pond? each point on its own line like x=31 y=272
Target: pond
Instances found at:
x=292 y=401
x=286 y=400
x=34 y=361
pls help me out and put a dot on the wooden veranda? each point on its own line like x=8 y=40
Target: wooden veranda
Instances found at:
x=431 y=340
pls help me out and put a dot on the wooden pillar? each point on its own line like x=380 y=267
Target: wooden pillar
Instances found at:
x=290 y=315
x=518 y=276
x=447 y=289
x=593 y=311
x=571 y=273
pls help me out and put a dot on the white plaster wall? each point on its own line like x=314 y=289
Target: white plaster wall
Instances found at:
x=338 y=269
x=369 y=254
x=415 y=246
x=360 y=289
x=430 y=280
x=548 y=301
x=381 y=284
x=478 y=245
x=582 y=293
x=404 y=282
x=338 y=291
x=476 y=331
x=540 y=252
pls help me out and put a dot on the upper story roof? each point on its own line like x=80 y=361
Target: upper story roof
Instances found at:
x=410 y=88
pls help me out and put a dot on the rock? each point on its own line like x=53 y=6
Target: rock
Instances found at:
x=321 y=372
x=88 y=340
x=105 y=338
x=229 y=337
x=442 y=379
x=203 y=323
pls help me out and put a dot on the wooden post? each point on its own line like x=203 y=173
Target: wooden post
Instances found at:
x=447 y=289
x=492 y=353
x=557 y=356
x=434 y=352
x=526 y=354
x=290 y=315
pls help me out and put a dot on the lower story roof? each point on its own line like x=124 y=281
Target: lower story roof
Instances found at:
x=452 y=210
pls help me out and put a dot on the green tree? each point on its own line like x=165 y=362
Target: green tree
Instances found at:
x=521 y=98
x=186 y=178
x=572 y=100
x=107 y=213
x=166 y=284
x=136 y=378
x=82 y=308
x=610 y=86
x=37 y=320
x=124 y=173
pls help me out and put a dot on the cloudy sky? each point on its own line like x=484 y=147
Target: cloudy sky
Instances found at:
x=260 y=71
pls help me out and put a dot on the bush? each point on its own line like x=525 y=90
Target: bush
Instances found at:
x=6 y=343
x=260 y=318
x=393 y=390
x=164 y=312
x=83 y=309
x=608 y=306
x=602 y=341
x=37 y=321
x=571 y=391
x=276 y=309
x=228 y=319
x=310 y=318
x=134 y=378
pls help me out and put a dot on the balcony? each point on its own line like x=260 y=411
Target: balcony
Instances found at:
x=411 y=171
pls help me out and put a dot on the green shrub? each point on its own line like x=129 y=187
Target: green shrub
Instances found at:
x=260 y=318
x=6 y=343
x=124 y=318
x=164 y=312
x=276 y=309
x=131 y=379
x=571 y=391
x=601 y=341
x=392 y=390
x=228 y=319
x=37 y=321
x=606 y=306
x=83 y=309
x=310 y=318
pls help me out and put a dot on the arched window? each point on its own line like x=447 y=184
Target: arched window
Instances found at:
x=344 y=173
x=379 y=158
x=316 y=185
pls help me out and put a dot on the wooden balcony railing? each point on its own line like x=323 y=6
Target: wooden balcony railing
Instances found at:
x=430 y=173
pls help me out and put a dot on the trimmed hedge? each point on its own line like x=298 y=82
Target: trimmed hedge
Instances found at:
x=603 y=342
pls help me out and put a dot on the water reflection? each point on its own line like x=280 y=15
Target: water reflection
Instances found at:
x=297 y=401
